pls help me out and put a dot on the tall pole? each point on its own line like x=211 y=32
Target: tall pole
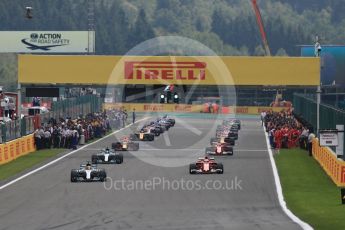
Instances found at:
x=318 y=91
x=91 y=26
x=19 y=101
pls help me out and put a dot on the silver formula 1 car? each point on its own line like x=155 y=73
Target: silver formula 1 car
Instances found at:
x=107 y=156
x=87 y=173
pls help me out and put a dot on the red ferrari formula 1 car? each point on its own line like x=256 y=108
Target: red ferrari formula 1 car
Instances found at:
x=220 y=149
x=206 y=165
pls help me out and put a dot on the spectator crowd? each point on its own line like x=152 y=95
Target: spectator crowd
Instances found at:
x=285 y=131
x=69 y=133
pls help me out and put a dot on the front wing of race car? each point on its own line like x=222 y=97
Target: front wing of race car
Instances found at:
x=215 y=168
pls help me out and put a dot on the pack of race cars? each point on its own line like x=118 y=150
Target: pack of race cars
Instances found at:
x=221 y=144
x=88 y=172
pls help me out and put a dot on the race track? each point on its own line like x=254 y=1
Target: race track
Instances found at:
x=48 y=200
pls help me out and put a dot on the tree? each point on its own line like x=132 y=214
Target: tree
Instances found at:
x=281 y=52
x=259 y=51
x=142 y=30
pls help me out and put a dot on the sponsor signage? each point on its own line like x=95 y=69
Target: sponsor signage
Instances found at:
x=45 y=41
x=166 y=70
x=328 y=138
x=140 y=107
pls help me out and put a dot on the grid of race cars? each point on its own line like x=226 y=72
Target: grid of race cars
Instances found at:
x=222 y=144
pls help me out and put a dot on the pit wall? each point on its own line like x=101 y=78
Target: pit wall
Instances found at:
x=185 y=108
x=334 y=167
x=19 y=147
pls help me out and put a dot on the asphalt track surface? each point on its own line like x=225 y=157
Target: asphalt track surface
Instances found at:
x=48 y=200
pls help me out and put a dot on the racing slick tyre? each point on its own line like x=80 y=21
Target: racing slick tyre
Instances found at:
x=119 y=158
x=151 y=137
x=220 y=166
x=192 y=167
x=208 y=149
x=103 y=176
x=115 y=144
x=157 y=134
x=213 y=140
x=94 y=159
x=73 y=176
x=133 y=137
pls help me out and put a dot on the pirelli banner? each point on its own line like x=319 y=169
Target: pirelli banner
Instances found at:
x=162 y=70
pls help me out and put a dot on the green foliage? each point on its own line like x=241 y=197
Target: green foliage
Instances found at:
x=230 y=22
x=8 y=71
x=226 y=26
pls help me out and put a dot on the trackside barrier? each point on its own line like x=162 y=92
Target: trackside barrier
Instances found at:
x=141 y=107
x=334 y=167
x=16 y=148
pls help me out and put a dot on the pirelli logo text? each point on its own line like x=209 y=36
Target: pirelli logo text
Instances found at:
x=193 y=71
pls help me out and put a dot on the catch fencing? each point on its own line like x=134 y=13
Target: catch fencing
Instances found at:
x=72 y=108
x=305 y=106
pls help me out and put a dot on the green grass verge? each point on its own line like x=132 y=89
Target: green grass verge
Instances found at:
x=22 y=163
x=30 y=160
x=309 y=192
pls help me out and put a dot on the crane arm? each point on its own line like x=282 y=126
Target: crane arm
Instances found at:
x=261 y=27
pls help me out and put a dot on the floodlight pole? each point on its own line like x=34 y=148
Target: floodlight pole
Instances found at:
x=318 y=91
x=19 y=101
x=91 y=26
x=318 y=101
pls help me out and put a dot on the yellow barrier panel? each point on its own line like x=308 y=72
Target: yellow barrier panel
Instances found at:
x=23 y=148
x=334 y=167
x=6 y=153
x=2 y=160
x=185 y=108
x=16 y=148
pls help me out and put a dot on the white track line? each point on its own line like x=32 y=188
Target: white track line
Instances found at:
x=282 y=202
x=64 y=156
x=189 y=149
